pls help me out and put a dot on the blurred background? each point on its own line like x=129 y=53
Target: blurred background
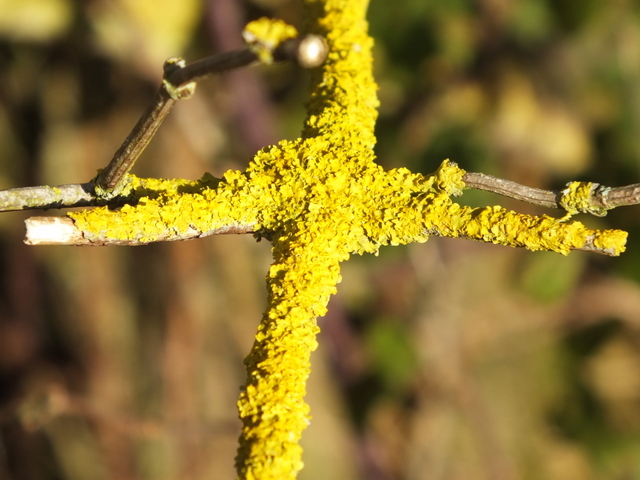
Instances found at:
x=443 y=361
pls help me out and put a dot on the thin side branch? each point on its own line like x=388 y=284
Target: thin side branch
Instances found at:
x=45 y=197
x=507 y=188
x=601 y=198
x=308 y=50
x=178 y=83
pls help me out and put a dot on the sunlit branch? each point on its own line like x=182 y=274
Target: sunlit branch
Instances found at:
x=178 y=83
x=63 y=231
x=46 y=197
x=600 y=200
x=82 y=195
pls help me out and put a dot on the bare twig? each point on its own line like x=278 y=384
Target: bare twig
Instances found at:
x=110 y=180
x=601 y=199
x=612 y=197
x=44 y=197
x=480 y=181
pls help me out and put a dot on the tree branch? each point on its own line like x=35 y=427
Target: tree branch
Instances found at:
x=63 y=231
x=600 y=199
x=179 y=82
x=45 y=197
x=507 y=188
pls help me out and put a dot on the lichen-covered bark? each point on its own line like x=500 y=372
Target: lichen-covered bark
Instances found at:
x=319 y=199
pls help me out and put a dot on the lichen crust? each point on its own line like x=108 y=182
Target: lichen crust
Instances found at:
x=319 y=199
x=264 y=35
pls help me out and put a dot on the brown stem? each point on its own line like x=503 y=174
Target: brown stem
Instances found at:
x=507 y=188
x=109 y=181
x=608 y=198
x=604 y=198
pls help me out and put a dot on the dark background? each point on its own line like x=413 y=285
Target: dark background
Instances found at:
x=443 y=361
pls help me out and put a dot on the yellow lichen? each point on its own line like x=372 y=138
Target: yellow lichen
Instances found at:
x=576 y=198
x=264 y=35
x=57 y=192
x=319 y=199
x=162 y=209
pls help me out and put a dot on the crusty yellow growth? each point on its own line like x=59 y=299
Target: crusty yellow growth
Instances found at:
x=504 y=227
x=264 y=35
x=576 y=199
x=319 y=199
x=163 y=209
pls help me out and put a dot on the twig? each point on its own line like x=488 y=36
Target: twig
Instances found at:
x=507 y=188
x=110 y=180
x=82 y=195
x=44 y=197
x=612 y=197
x=600 y=200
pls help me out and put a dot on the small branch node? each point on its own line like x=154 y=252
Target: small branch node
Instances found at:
x=176 y=92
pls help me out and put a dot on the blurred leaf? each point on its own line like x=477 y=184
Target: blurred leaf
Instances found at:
x=155 y=29
x=34 y=20
x=573 y=14
x=532 y=21
x=539 y=130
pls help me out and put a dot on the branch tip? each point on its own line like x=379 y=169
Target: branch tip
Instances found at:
x=52 y=231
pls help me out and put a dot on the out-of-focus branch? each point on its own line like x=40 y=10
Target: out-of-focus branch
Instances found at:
x=179 y=82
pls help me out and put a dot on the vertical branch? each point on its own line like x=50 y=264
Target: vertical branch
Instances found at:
x=306 y=267
x=345 y=90
x=272 y=406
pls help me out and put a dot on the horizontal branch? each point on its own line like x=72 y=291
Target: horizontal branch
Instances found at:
x=82 y=195
x=507 y=188
x=63 y=231
x=45 y=197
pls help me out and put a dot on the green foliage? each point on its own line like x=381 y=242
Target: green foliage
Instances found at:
x=547 y=279
x=393 y=357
